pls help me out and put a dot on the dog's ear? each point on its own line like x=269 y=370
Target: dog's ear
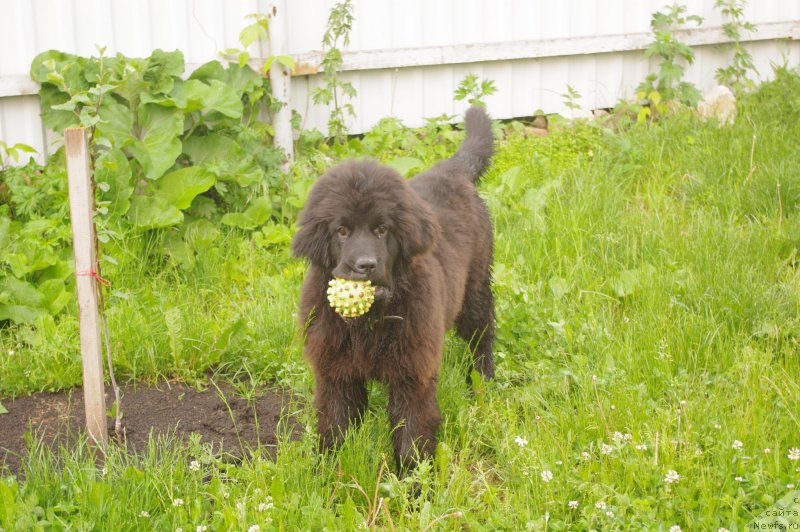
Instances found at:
x=418 y=228
x=313 y=242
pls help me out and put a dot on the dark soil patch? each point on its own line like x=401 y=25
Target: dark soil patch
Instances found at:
x=222 y=417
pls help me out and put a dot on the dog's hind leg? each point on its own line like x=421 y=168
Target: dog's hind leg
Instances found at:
x=475 y=324
x=339 y=403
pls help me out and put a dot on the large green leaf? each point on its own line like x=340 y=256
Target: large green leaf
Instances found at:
x=242 y=79
x=148 y=212
x=162 y=70
x=181 y=186
x=113 y=175
x=222 y=99
x=256 y=214
x=161 y=144
x=116 y=123
x=16 y=291
x=49 y=99
x=19 y=313
x=224 y=157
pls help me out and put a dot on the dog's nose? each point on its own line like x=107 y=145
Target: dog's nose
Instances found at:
x=366 y=264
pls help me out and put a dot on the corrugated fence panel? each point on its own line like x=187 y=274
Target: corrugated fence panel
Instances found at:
x=413 y=28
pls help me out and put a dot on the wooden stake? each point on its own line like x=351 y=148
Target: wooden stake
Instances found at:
x=81 y=207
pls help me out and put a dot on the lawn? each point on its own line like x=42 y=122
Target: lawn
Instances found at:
x=648 y=370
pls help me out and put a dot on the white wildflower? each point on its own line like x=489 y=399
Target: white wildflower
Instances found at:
x=519 y=440
x=610 y=513
x=739 y=479
x=254 y=528
x=573 y=504
x=600 y=505
x=606 y=449
x=144 y=513
x=737 y=445
x=767 y=450
x=177 y=502
x=547 y=476
x=794 y=453
x=672 y=477
x=674 y=528
x=641 y=447
x=194 y=465
x=201 y=528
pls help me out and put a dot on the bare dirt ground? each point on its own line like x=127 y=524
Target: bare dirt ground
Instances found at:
x=221 y=416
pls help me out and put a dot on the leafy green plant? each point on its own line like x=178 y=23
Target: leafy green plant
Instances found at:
x=736 y=75
x=334 y=91
x=474 y=90
x=160 y=141
x=659 y=89
x=36 y=262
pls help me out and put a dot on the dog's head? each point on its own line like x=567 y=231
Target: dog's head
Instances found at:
x=363 y=221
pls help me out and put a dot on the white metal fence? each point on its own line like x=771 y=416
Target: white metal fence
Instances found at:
x=405 y=57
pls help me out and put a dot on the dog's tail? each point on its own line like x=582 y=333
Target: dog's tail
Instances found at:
x=476 y=151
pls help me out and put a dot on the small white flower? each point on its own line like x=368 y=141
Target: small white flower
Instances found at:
x=10 y=352
x=672 y=477
x=559 y=462
x=789 y=486
x=767 y=450
x=641 y=447
x=265 y=506
x=240 y=506
x=613 y=407
x=606 y=449
x=177 y=502
x=194 y=465
x=794 y=453
x=201 y=528
x=585 y=456
x=257 y=491
x=573 y=504
x=674 y=528
x=610 y=513
x=600 y=505
x=144 y=513
x=617 y=437
x=739 y=479
x=254 y=528
x=717 y=426
x=519 y=440
x=721 y=529
x=737 y=445
x=547 y=476
x=226 y=494
x=179 y=529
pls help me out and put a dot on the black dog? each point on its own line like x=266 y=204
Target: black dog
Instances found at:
x=426 y=244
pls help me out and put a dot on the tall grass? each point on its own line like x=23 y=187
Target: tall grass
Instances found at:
x=648 y=366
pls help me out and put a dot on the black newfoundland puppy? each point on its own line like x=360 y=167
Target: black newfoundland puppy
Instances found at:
x=426 y=244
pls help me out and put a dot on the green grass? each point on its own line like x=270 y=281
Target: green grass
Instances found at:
x=647 y=299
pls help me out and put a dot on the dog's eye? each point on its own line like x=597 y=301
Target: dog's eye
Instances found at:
x=342 y=231
x=381 y=231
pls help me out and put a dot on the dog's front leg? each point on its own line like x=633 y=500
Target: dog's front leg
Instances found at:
x=415 y=419
x=339 y=402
